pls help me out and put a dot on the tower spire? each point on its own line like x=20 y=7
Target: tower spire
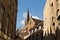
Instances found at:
x=27 y=19
x=27 y=13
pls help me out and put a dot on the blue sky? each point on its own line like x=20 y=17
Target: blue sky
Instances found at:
x=35 y=9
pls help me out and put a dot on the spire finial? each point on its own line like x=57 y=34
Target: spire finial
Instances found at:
x=27 y=13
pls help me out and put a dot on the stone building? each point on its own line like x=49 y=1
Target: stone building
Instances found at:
x=30 y=23
x=8 y=14
x=52 y=18
x=51 y=15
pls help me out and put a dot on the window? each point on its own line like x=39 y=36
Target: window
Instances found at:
x=57 y=11
x=52 y=4
x=35 y=29
x=39 y=27
x=32 y=31
x=53 y=24
x=52 y=18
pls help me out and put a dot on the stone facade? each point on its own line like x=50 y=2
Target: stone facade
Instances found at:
x=51 y=16
x=52 y=20
x=8 y=14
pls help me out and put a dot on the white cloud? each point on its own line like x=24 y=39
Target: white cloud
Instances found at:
x=25 y=15
x=22 y=22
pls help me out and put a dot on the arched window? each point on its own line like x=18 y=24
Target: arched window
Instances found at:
x=57 y=11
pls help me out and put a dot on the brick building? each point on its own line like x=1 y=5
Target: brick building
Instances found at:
x=8 y=14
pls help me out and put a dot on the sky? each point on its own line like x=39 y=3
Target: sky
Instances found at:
x=35 y=8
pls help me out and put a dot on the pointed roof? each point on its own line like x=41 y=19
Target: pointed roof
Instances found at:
x=27 y=14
